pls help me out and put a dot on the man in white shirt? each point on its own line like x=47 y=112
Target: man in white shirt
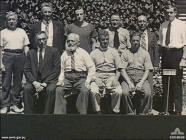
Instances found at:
x=172 y=37
x=119 y=37
x=14 y=42
x=42 y=68
x=77 y=72
x=149 y=43
x=53 y=29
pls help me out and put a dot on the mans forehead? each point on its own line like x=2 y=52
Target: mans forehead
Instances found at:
x=47 y=8
x=41 y=36
x=79 y=11
x=142 y=18
x=170 y=9
x=115 y=17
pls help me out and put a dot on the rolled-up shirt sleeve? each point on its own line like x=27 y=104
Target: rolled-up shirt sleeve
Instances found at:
x=61 y=76
x=90 y=67
x=148 y=64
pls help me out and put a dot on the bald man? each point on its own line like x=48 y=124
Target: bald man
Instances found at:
x=77 y=72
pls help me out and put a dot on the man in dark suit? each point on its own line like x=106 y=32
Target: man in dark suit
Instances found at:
x=53 y=29
x=41 y=69
x=149 y=43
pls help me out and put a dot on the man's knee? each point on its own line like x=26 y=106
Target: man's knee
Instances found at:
x=50 y=89
x=59 y=91
x=28 y=88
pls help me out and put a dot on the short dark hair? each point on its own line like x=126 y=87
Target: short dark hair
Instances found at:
x=102 y=32
x=135 y=34
x=40 y=32
x=171 y=6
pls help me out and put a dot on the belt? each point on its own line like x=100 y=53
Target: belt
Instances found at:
x=101 y=71
x=172 y=49
x=13 y=50
x=75 y=71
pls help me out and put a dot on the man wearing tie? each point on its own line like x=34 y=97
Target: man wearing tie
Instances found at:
x=119 y=37
x=172 y=35
x=149 y=43
x=41 y=69
x=53 y=29
x=77 y=72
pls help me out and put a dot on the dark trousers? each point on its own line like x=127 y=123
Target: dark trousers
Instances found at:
x=171 y=60
x=73 y=83
x=14 y=65
x=43 y=104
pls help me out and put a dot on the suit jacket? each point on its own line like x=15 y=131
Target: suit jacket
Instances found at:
x=58 y=35
x=153 y=48
x=50 y=68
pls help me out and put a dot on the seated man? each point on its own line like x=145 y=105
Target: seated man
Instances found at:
x=41 y=69
x=107 y=63
x=76 y=63
x=137 y=64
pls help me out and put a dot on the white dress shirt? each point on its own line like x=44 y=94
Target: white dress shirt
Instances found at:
x=177 y=34
x=83 y=62
x=50 y=32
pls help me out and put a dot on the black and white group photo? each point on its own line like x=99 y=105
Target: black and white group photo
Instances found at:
x=97 y=57
x=116 y=57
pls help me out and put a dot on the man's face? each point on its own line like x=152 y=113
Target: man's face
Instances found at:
x=47 y=13
x=80 y=15
x=142 y=23
x=12 y=22
x=41 y=40
x=115 y=21
x=72 y=43
x=135 y=42
x=171 y=14
x=104 y=41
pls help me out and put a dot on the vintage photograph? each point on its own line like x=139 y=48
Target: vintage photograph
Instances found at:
x=93 y=69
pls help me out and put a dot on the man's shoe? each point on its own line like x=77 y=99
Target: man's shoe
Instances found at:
x=4 y=110
x=16 y=109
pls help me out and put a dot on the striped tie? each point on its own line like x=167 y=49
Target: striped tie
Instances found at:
x=143 y=41
x=47 y=28
x=72 y=62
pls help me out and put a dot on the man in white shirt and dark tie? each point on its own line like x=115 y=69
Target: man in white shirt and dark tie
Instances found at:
x=172 y=37
x=53 y=29
x=77 y=72
x=41 y=69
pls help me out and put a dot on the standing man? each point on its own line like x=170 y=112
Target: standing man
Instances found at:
x=13 y=41
x=53 y=29
x=137 y=64
x=108 y=64
x=149 y=43
x=77 y=72
x=85 y=30
x=41 y=69
x=119 y=37
x=172 y=35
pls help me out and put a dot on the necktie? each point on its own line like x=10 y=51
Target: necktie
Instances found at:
x=40 y=58
x=167 y=39
x=143 y=41
x=47 y=28
x=116 y=40
x=72 y=62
